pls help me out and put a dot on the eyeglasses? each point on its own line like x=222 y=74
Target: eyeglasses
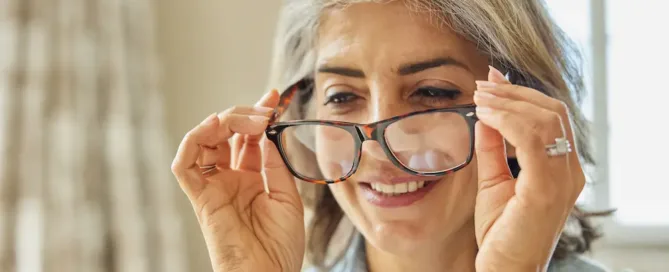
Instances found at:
x=431 y=142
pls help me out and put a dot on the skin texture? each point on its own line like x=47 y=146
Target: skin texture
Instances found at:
x=478 y=218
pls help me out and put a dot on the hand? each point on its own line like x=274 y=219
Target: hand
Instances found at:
x=519 y=221
x=245 y=228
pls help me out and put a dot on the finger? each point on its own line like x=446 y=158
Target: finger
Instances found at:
x=235 y=146
x=518 y=92
x=548 y=125
x=231 y=123
x=236 y=120
x=250 y=157
x=491 y=156
x=237 y=141
x=495 y=180
x=184 y=166
x=525 y=134
x=522 y=93
x=491 y=149
x=207 y=156
x=276 y=176
x=218 y=156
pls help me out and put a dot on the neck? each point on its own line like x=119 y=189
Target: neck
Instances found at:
x=457 y=253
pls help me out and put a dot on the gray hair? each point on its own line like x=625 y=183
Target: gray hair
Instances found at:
x=520 y=39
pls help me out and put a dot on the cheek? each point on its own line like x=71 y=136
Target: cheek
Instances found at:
x=345 y=195
x=456 y=197
x=335 y=151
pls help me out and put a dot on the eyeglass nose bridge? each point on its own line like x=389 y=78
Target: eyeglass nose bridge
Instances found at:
x=375 y=132
x=370 y=132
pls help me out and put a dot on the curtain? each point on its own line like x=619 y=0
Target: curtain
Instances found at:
x=85 y=183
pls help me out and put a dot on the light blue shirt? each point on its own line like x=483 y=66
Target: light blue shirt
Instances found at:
x=354 y=260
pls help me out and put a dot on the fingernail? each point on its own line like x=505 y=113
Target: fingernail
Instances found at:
x=262 y=109
x=485 y=95
x=210 y=120
x=263 y=98
x=495 y=74
x=485 y=84
x=258 y=119
x=483 y=110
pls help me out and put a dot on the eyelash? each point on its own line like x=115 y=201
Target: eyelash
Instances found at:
x=437 y=95
x=337 y=98
x=434 y=95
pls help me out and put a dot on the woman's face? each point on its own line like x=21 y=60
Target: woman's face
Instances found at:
x=376 y=61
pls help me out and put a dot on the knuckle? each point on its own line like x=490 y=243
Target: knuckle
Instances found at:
x=232 y=109
x=533 y=134
x=553 y=119
x=560 y=107
x=515 y=88
x=190 y=136
x=225 y=115
x=176 y=170
x=536 y=127
x=504 y=116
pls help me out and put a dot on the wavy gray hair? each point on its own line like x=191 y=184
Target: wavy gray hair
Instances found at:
x=520 y=39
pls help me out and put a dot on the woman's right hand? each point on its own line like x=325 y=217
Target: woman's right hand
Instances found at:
x=244 y=228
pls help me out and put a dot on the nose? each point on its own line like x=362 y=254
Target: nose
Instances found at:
x=375 y=162
x=373 y=150
x=386 y=103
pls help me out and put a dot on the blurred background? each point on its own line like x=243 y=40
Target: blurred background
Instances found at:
x=95 y=96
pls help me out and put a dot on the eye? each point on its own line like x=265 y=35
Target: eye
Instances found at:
x=340 y=98
x=436 y=95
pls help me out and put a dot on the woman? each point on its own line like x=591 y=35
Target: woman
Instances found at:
x=426 y=112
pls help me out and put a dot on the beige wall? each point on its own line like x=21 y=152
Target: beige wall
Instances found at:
x=214 y=54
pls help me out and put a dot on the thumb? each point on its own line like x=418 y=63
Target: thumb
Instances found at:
x=494 y=174
x=276 y=176
x=490 y=146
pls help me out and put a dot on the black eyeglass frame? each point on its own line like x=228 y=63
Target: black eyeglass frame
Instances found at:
x=360 y=133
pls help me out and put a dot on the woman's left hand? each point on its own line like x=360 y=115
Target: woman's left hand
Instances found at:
x=519 y=221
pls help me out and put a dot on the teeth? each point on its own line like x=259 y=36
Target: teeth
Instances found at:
x=387 y=188
x=399 y=188
x=413 y=186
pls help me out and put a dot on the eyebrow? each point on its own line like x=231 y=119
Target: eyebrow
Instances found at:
x=405 y=69
x=344 y=71
x=413 y=68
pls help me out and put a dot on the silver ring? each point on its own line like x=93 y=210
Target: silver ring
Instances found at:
x=561 y=147
x=207 y=168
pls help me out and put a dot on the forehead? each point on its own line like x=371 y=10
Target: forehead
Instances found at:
x=390 y=31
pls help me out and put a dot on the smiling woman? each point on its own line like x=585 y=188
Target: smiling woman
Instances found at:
x=396 y=115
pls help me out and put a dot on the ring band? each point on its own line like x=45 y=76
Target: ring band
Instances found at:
x=561 y=147
x=207 y=168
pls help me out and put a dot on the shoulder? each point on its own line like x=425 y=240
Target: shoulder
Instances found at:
x=576 y=263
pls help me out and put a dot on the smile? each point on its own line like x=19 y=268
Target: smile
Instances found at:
x=398 y=194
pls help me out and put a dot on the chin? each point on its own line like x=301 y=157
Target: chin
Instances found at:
x=411 y=229
x=403 y=238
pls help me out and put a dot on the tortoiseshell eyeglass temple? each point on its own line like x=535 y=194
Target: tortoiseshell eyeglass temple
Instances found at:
x=287 y=97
